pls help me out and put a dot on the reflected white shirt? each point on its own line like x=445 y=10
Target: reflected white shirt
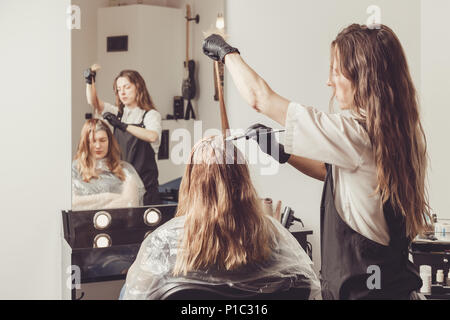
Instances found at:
x=338 y=139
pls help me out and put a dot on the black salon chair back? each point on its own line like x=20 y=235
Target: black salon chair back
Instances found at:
x=191 y=291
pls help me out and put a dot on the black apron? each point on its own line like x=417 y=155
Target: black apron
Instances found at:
x=142 y=156
x=346 y=256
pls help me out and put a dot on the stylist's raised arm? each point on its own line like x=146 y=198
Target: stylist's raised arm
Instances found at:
x=255 y=91
x=91 y=92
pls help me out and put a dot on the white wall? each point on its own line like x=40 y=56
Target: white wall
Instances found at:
x=208 y=108
x=35 y=144
x=287 y=43
x=435 y=100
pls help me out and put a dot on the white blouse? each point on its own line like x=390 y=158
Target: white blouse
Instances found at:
x=152 y=120
x=338 y=139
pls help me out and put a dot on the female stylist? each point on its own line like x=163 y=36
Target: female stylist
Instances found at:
x=372 y=159
x=136 y=122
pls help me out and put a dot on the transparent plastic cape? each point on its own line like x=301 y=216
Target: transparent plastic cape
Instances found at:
x=108 y=191
x=289 y=266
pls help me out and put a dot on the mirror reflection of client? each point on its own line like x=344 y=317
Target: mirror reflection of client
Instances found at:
x=220 y=234
x=136 y=122
x=100 y=180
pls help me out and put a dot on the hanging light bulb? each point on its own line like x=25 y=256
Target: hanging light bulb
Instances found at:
x=220 y=22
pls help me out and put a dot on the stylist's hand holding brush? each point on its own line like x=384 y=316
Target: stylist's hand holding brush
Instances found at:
x=267 y=142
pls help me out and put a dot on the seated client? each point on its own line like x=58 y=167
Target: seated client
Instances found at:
x=220 y=234
x=100 y=180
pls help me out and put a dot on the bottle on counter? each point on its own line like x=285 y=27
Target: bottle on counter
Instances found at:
x=448 y=278
x=440 y=277
x=425 y=274
x=434 y=217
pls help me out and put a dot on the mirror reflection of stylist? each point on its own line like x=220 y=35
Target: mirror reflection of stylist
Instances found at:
x=372 y=159
x=136 y=122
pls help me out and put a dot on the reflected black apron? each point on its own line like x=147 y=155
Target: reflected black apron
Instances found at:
x=142 y=156
x=346 y=256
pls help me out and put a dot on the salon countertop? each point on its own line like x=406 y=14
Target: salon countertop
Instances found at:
x=297 y=227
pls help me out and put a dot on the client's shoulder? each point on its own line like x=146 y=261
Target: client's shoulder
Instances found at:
x=169 y=230
x=127 y=167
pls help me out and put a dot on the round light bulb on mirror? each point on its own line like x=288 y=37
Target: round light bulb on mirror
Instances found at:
x=102 y=241
x=220 y=22
x=152 y=217
x=102 y=220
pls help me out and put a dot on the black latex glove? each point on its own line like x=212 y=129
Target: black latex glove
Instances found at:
x=116 y=123
x=216 y=48
x=267 y=142
x=89 y=75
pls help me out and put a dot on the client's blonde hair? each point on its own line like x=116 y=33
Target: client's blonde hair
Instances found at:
x=86 y=161
x=225 y=226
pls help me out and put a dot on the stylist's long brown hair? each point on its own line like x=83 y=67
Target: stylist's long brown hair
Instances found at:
x=225 y=226
x=143 y=98
x=385 y=98
x=86 y=161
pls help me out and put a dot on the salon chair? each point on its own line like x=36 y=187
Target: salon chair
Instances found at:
x=194 y=291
